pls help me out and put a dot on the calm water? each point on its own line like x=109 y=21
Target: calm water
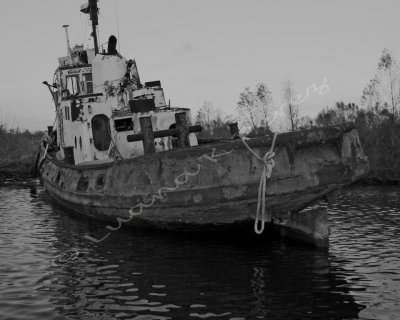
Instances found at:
x=136 y=275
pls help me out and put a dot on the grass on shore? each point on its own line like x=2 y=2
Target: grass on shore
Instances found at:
x=16 y=152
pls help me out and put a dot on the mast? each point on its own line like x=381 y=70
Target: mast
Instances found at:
x=65 y=26
x=94 y=11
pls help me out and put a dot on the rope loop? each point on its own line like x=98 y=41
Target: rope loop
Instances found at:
x=269 y=164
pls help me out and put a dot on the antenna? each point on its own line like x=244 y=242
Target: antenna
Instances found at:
x=65 y=26
x=95 y=21
x=116 y=17
x=92 y=9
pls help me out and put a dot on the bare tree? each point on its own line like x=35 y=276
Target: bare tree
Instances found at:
x=370 y=95
x=246 y=108
x=289 y=96
x=264 y=97
x=388 y=69
x=214 y=122
x=254 y=106
x=206 y=114
x=383 y=91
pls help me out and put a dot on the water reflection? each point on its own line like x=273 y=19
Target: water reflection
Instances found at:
x=158 y=275
x=164 y=275
x=366 y=224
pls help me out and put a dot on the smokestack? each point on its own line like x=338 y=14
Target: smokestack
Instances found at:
x=112 y=45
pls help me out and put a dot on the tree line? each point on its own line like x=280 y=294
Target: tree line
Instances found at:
x=377 y=118
x=255 y=111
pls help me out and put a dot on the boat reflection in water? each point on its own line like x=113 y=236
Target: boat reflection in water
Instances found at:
x=159 y=275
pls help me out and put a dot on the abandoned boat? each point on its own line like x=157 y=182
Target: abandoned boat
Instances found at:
x=119 y=152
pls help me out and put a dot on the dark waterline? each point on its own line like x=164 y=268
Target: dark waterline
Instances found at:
x=157 y=275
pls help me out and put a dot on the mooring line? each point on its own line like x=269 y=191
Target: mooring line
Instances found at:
x=269 y=163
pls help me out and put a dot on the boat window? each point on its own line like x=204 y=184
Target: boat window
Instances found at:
x=64 y=94
x=100 y=181
x=73 y=84
x=124 y=124
x=67 y=116
x=75 y=142
x=100 y=129
x=76 y=110
x=83 y=184
x=87 y=83
x=83 y=57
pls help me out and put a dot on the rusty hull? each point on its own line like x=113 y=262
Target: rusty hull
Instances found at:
x=220 y=187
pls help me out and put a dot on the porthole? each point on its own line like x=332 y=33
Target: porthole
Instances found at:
x=100 y=181
x=83 y=184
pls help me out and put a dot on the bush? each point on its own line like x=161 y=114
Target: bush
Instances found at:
x=378 y=130
x=17 y=148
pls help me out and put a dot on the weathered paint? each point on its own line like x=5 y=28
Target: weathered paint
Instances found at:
x=161 y=119
x=75 y=111
x=225 y=189
x=310 y=225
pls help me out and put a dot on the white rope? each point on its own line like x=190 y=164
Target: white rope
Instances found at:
x=269 y=164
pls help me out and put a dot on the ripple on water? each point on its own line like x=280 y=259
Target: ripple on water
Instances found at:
x=49 y=270
x=364 y=235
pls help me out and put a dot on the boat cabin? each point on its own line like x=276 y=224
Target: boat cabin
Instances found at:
x=104 y=112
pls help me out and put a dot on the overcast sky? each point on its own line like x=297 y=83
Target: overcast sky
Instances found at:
x=206 y=50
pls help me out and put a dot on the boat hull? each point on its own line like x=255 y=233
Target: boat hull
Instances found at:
x=211 y=186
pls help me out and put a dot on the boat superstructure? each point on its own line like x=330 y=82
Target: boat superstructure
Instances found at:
x=100 y=100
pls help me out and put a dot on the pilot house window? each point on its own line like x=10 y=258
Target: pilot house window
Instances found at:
x=73 y=84
x=88 y=83
x=67 y=116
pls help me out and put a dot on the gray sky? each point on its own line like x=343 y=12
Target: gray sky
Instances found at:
x=204 y=50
